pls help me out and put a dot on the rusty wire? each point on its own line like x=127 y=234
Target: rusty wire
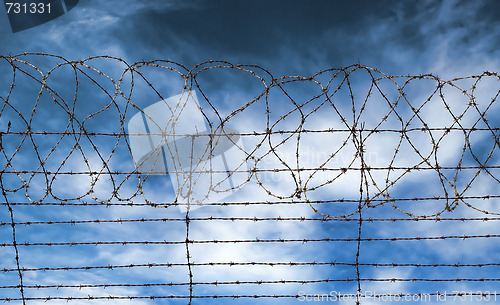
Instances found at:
x=457 y=179
x=346 y=296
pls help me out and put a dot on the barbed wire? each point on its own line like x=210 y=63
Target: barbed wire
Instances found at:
x=379 y=113
x=233 y=219
x=241 y=241
x=346 y=296
x=271 y=264
x=83 y=203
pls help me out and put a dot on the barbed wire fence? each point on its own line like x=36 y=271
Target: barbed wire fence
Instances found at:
x=433 y=167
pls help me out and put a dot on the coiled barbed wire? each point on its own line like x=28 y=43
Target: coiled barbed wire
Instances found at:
x=121 y=101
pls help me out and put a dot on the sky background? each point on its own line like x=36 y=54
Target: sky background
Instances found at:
x=445 y=38
x=285 y=36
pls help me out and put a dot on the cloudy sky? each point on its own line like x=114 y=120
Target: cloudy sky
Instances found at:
x=448 y=39
x=285 y=36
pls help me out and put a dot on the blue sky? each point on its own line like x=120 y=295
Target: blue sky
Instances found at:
x=446 y=38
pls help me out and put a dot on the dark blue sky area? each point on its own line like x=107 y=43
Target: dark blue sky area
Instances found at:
x=286 y=36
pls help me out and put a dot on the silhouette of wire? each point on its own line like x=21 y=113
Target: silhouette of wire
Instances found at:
x=455 y=149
